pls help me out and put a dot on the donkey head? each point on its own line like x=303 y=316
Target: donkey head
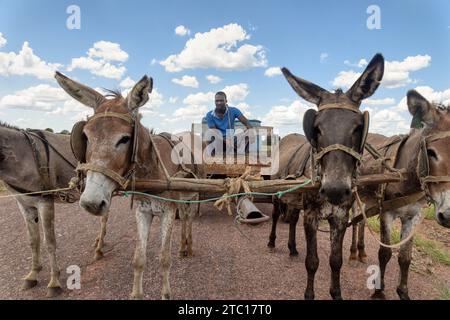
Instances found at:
x=339 y=122
x=109 y=138
x=436 y=132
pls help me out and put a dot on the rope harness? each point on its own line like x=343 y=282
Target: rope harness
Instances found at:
x=317 y=155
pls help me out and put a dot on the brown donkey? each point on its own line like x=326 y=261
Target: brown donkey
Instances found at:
x=33 y=161
x=425 y=155
x=336 y=134
x=117 y=147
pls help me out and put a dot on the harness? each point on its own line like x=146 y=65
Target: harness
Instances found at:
x=422 y=170
x=43 y=165
x=317 y=155
x=79 y=143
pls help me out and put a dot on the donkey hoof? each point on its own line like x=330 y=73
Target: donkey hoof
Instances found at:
x=137 y=296
x=53 y=292
x=403 y=294
x=28 y=284
x=271 y=244
x=293 y=253
x=378 y=295
x=166 y=296
x=309 y=296
x=362 y=259
x=353 y=257
x=98 y=255
x=182 y=253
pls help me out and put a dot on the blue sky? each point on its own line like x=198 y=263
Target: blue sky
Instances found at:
x=240 y=42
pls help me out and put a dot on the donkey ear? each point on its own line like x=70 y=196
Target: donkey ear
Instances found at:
x=305 y=89
x=138 y=96
x=83 y=94
x=308 y=126
x=368 y=82
x=421 y=110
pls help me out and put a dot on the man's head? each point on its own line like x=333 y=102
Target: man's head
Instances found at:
x=220 y=100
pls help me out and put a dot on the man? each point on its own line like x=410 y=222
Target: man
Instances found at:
x=222 y=118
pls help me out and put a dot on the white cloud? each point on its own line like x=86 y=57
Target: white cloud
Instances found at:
x=153 y=62
x=217 y=48
x=284 y=116
x=379 y=102
x=156 y=100
x=236 y=93
x=244 y=108
x=187 y=81
x=361 y=63
x=389 y=122
x=429 y=94
x=103 y=59
x=272 y=72
x=108 y=51
x=2 y=40
x=173 y=100
x=198 y=104
x=396 y=73
x=323 y=57
x=194 y=113
x=25 y=63
x=345 y=79
x=182 y=31
x=127 y=83
x=42 y=97
x=213 y=79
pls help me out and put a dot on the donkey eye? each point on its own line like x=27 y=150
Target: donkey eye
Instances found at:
x=432 y=154
x=123 y=140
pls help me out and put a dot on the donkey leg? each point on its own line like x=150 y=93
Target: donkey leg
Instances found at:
x=384 y=254
x=167 y=220
x=191 y=215
x=338 y=226
x=144 y=217
x=47 y=212
x=293 y=219
x=100 y=240
x=275 y=215
x=362 y=255
x=31 y=217
x=310 y=224
x=183 y=243
x=404 y=259
x=354 y=248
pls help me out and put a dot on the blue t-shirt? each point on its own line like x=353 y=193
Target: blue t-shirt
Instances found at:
x=223 y=124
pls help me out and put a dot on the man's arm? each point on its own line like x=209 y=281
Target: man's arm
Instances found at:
x=244 y=121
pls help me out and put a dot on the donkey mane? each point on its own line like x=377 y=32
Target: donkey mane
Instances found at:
x=115 y=94
x=9 y=126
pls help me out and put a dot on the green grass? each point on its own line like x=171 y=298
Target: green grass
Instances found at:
x=429 y=212
x=444 y=293
x=432 y=249
x=429 y=247
x=2 y=187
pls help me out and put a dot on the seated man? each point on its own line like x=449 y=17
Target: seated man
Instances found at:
x=223 y=116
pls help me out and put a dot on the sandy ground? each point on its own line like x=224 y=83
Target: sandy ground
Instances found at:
x=226 y=264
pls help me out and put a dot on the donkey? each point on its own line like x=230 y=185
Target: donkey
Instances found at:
x=338 y=131
x=33 y=161
x=425 y=155
x=117 y=146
